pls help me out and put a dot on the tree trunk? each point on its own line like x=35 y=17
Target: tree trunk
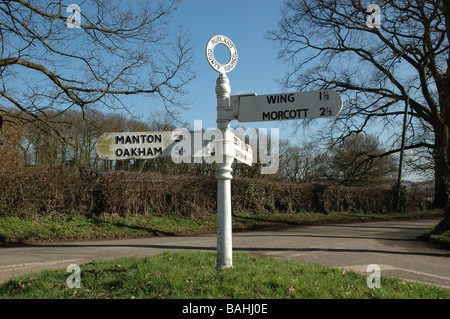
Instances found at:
x=442 y=151
x=441 y=163
x=444 y=225
x=442 y=201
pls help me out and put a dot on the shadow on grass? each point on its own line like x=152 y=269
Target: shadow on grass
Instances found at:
x=120 y=225
x=97 y=229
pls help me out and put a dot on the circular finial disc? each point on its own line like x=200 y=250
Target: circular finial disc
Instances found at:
x=215 y=40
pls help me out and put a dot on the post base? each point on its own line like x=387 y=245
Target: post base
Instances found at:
x=222 y=267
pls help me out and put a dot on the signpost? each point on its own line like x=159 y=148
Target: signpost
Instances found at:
x=181 y=145
x=224 y=117
x=252 y=108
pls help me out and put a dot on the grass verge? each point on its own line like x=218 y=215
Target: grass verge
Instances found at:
x=192 y=275
x=68 y=227
x=441 y=233
x=439 y=237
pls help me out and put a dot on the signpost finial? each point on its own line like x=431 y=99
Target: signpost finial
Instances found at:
x=221 y=68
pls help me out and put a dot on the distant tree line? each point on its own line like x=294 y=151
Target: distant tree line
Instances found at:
x=349 y=164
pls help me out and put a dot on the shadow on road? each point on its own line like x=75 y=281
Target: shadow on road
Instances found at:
x=258 y=249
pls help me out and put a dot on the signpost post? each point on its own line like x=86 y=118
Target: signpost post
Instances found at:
x=225 y=115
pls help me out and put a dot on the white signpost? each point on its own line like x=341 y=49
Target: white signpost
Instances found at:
x=252 y=108
x=181 y=145
x=224 y=117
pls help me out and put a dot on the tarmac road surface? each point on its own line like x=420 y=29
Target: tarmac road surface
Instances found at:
x=392 y=245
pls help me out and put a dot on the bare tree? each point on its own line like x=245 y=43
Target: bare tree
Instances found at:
x=12 y=153
x=54 y=57
x=352 y=163
x=162 y=121
x=300 y=163
x=381 y=70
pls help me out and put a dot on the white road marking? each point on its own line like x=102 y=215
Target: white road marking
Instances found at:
x=383 y=267
x=40 y=263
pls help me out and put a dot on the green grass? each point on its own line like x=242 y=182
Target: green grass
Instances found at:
x=440 y=234
x=64 y=227
x=438 y=237
x=67 y=227
x=192 y=275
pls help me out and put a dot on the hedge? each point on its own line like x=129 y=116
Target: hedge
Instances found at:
x=37 y=191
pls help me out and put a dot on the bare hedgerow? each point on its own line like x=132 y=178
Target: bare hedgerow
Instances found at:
x=44 y=191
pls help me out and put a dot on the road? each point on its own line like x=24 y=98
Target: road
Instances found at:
x=392 y=245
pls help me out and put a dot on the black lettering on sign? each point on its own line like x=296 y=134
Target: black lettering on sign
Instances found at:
x=120 y=139
x=280 y=98
x=284 y=115
x=158 y=150
x=323 y=95
x=139 y=152
x=325 y=111
x=139 y=139
x=280 y=115
x=322 y=111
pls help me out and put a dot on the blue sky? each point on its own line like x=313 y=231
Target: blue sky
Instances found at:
x=246 y=23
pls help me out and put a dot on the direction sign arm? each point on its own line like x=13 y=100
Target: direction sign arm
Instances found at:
x=235 y=102
x=287 y=106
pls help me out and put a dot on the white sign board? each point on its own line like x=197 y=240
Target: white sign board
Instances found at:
x=180 y=145
x=133 y=145
x=242 y=151
x=286 y=106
